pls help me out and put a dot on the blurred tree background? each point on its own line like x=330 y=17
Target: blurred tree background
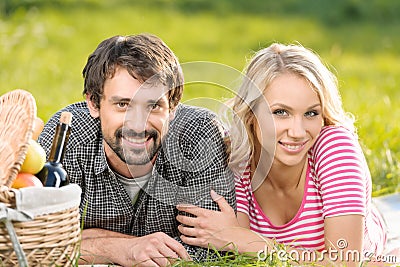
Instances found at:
x=44 y=45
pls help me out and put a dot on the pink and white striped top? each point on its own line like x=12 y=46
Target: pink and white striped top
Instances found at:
x=338 y=182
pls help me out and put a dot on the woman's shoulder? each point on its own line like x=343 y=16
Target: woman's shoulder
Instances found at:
x=334 y=138
x=332 y=130
x=334 y=134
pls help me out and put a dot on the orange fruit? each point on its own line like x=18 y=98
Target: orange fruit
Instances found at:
x=24 y=179
x=38 y=126
x=34 y=159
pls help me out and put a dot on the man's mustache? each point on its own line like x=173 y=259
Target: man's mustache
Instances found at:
x=133 y=134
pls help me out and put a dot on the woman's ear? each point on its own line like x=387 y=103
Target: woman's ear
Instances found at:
x=94 y=111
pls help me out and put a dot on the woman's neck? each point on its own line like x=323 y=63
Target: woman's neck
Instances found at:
x=277 y=174
x=285 y=178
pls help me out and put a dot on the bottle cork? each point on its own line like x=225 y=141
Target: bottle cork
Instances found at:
x=66 y=117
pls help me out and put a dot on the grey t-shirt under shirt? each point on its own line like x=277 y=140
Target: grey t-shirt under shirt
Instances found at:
x=133 y=185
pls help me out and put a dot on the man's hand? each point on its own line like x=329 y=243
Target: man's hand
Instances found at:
x=157 y=249
x=102 y=246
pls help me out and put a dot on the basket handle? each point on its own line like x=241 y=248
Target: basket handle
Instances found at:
x=6 y=217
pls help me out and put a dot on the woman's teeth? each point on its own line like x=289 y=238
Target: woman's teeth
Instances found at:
x=292 y=147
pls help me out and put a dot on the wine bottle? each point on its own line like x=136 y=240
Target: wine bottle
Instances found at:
x=53 y=173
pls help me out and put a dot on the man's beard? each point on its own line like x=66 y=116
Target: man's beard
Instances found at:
x=133 y=156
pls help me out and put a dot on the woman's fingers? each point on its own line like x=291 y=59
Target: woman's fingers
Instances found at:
x=197 y=211
x=191 y=221
x=194 y=210
x=221 y=201
x=215 y=196
x=193 y=241
x=187 y=231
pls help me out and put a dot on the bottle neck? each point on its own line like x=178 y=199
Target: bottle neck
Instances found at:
x=59 y=143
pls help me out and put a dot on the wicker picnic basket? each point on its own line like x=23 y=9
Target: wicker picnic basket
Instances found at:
x=47 y=240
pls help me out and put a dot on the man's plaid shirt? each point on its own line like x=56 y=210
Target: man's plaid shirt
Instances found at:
x=192 y=161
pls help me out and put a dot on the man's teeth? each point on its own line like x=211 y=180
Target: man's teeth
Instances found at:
x=136 y=140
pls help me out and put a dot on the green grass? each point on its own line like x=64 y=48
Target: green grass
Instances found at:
x=44 y=46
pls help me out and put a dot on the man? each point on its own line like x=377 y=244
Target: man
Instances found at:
x=137 y=152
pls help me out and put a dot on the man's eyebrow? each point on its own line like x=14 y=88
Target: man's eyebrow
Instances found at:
x=119 y=99
x=157 y=101
x=161 y=100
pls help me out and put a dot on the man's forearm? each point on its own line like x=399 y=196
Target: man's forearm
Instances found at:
x=98 y=246
x=102 y=233
x=105 y=247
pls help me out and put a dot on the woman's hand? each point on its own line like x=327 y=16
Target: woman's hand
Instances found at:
x=209 y=227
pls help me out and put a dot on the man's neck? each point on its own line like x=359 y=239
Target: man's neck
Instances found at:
x=139 y=170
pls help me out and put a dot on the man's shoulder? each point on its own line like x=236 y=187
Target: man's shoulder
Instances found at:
x=81 y=118
x=79 y=110
x=192 y=124
x=191 y=117
x=84 y=128
x=193 y=112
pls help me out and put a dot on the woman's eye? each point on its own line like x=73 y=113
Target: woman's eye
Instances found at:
x=280 y=112
x=311 y=113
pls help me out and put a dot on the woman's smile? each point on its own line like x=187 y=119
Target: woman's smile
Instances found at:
x=292 y=147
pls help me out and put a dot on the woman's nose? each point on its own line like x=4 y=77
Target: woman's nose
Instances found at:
x=297 y=129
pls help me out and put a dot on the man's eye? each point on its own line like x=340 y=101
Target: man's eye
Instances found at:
x=122 y=104
x=155 y=106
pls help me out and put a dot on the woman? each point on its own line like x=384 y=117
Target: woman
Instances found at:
x=306 y=183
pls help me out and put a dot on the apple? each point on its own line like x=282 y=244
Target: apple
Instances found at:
x=35 y=158
x=25 y=179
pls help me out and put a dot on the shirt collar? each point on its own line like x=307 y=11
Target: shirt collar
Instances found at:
x=100 y=161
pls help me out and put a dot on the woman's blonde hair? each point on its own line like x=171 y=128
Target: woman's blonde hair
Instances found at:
x=263 y=68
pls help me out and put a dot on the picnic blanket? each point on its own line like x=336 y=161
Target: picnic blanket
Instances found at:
x=389 y=207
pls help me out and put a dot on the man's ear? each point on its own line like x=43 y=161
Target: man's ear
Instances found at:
x=172 y=114
x=94 y=111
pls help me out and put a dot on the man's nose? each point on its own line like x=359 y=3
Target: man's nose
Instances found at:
x=136 y=119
